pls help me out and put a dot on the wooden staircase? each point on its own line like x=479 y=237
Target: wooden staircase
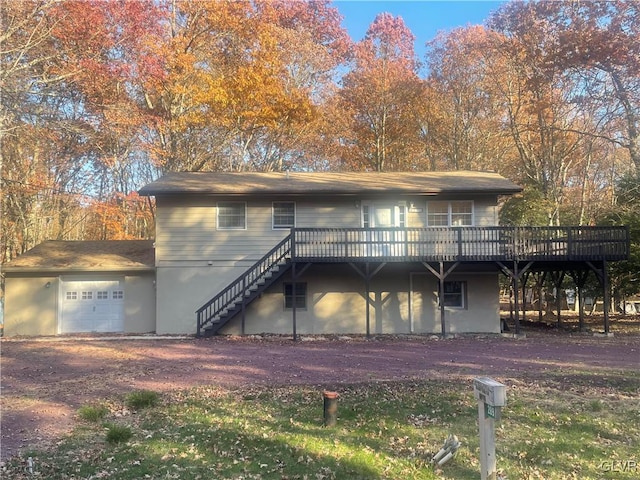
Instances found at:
x=214 y=314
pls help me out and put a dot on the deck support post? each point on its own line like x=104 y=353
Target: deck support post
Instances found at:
x=558 y=278
x=243 y=316
x=603 y=277
x=516 y=292
x=580 y=279
x=367 y=296
x=244 y=305
x=367 y=275
x=515 y=274
x=294 y=301
x=295 y=274
x=540 y=279
x=525 y=279
x=607 y=296
x=441 y=275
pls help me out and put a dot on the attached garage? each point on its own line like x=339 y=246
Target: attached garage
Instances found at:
x=81 y=287
x=95 y=305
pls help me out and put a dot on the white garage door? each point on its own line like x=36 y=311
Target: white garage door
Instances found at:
x=92 y=306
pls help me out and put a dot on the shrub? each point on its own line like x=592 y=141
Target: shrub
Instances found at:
x=596 y=405
x=142 y=399
x=118 y=433
x=93 y=413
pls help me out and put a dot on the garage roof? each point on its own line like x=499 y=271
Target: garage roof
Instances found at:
x=103 y=256
x=322 y=183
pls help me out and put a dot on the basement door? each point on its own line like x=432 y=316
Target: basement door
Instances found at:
x=95 y=305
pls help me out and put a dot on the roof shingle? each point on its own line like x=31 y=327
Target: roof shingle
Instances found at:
x=316 y=183
x=106 y=255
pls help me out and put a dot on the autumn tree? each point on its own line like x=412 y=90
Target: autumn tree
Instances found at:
x=379 y=97
x=598 y=42
x=66 y=69
x=462 y=116
x=545 y=122
x=242 y=83
x=40 y=128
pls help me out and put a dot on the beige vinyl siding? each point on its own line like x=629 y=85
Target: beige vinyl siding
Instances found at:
x=31 y=308
x=339 y=213
x=140 y=303
x=186 y=229
x=32 y=302
x=481 y=312
x=187 y=233
x=402 y=302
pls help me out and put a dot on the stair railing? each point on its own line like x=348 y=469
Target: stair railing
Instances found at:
x=237 y=289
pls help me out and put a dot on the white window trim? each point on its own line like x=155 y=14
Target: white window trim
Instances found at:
x=400 y=213
x=218 y=227
x=463 y=293
x=450 y=214
x=295 y=211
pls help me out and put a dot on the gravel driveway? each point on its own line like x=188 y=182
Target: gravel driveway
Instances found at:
x=45 y=381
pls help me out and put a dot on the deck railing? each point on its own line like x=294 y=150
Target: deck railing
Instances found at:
x=460 y=244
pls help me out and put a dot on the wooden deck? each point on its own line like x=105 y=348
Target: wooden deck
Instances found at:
x=449 y=244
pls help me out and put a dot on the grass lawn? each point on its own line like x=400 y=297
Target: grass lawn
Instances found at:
x=584 y=426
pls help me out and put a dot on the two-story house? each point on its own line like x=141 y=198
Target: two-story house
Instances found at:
x=339 y=253
x=303 y=253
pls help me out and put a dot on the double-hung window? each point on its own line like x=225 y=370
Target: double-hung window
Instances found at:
x=454 y=294
x=457 y=213
x=297 y=298
x=232 y=216
x=283 y=215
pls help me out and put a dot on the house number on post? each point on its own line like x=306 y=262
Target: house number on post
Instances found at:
x=491 y=396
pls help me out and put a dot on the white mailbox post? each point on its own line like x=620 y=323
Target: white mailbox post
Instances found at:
x=491 y=396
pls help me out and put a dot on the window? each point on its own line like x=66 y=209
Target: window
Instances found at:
x=461 y=214
x=102 y=295
x=454 y=294
x=450 y=214
x=284 y=215
x=438 y=214
x=366 y=219
x=72 y=295
x=402 y=216
x=117 y=295
x=87 y=295
x=300 y=296
x=232 y=216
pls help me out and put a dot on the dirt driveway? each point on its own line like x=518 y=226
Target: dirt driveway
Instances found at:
x=44 y=382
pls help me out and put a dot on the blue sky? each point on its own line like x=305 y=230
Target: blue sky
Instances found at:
x=425 y=18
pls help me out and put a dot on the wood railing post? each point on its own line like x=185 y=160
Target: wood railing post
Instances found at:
x=244 y=303
x=292 y=247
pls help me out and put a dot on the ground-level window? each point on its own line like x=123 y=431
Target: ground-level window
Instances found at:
x=284 y=215
x=299 y=296
x=457 y=213
x=232 y=216
x=455 y=294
